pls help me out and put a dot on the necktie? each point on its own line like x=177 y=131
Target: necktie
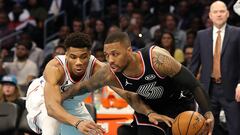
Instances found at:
x=216 y=57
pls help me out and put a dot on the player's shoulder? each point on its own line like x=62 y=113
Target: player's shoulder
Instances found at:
x=54 y=66
x=156 y=50
x=54 y=71
x=97 y=65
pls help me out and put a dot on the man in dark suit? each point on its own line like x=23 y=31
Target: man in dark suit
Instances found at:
x=217 y=49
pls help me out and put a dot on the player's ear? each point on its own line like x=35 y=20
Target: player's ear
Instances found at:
x=129 y=49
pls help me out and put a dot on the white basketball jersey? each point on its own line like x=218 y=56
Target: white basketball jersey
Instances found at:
x=68 y=81
x=35 y=99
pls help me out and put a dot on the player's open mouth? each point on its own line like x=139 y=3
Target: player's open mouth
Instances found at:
x=79 y=70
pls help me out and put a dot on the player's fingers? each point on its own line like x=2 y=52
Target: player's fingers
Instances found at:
x=96 y=127
x=154 y=120
x=92 y=132
x=209 y=127
x=99 y=131
x=100 y=128
x=168 y=123
x=170 y=119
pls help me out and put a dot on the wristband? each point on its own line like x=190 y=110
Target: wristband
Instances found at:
x=149 y=113
x=77 y=123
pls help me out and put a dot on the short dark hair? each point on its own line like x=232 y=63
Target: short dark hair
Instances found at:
x=26 y=43
x=78 y=40
x=121 y=37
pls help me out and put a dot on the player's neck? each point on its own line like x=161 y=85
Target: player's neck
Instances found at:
x=134 y=68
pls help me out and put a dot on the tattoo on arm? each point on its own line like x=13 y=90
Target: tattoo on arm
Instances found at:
x=165 y=64
x=98 y=80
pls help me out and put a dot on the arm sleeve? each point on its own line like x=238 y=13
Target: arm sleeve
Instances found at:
x=186 y=79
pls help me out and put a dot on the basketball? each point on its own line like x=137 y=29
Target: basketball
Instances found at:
x=189 y=123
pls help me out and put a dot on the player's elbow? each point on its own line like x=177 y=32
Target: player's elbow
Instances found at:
x=50 y=109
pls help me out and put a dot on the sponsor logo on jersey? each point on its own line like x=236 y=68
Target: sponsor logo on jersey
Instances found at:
x=150 y=77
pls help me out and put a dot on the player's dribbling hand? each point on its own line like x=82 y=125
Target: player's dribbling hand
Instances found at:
x=209 y=122
x=88 y=127
x=155 y=118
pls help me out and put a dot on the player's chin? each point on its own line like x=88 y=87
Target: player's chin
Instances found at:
x=79 y=72
x=115 y=69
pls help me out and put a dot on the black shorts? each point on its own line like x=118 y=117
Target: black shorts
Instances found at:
x=171 y=110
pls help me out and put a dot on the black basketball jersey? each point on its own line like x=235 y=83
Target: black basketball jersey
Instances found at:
x=162 y=94
x=156 y=91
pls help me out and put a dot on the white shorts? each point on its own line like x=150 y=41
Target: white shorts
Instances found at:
x=37 y=116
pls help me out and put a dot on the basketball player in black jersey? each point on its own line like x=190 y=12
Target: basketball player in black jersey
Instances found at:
x=157 y=78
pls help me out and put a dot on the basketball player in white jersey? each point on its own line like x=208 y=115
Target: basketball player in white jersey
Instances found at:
x=44 y=102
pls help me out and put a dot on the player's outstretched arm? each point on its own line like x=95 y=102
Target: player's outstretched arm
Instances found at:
x=53 y=100
x=139 y=106
x=99 y=79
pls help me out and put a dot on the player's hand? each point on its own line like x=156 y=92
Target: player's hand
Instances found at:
x=155 y=118
x=88 y=127
x=209 y=122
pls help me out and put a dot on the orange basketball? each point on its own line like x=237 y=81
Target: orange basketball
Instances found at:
x=189 y=123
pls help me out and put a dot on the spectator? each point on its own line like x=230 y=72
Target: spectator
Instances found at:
x=148 y=17
x=6 y=55
x=124 y=22
x=20 y=17
x=99 y=54
x=77 y=25
x=183 y=14
x=23 y=68
x=62 y=34
x=6 y=29
x=187 y=55
x=38 y=12
x=191 y=35
x=171 y=26
x=139 y=35
x=10 y=91
x=112 y=17
x=36 y=53
x=113 y=29
x=100 y=30
x=167 y=42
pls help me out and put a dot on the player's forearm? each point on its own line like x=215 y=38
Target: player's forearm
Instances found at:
x=56 y=111
x=96 y=81
x=138 y=105
x=80 y=89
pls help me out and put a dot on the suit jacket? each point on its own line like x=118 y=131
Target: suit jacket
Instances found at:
x=230 y=59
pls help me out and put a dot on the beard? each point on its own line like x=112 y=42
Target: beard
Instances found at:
x=124 y=68
x=22 y=58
